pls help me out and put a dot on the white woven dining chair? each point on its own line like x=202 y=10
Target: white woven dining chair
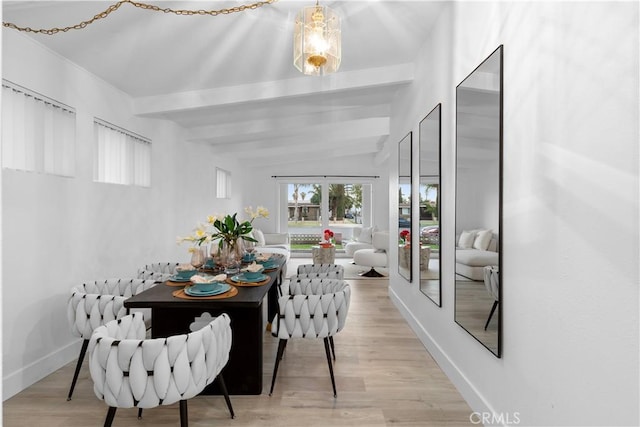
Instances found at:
x=131 y=371
x=322 y=271
x=92 y=304
x=315 y=308
x=313 y=271
x=160 y=271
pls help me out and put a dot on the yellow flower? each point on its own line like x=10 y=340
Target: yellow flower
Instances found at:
x=249 y=211
x=192 y=250
x=200 y=233
x=263 y=212
x=211 y=219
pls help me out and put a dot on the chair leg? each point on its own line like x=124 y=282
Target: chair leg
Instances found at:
x=333 y=349
x=223 y=387
x=184 y=419
x=281 y=345
x=83 y=350
x=495 y=304
x=372 y=273
x=110 y=414
x=139 y=413
x=328 y=351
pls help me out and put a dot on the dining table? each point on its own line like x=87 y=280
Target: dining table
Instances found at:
x=172 y=314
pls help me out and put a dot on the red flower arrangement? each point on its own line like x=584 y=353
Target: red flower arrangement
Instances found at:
x=328 y=234
x=405 y=235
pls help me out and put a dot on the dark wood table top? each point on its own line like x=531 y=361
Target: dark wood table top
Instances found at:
x=160 y=296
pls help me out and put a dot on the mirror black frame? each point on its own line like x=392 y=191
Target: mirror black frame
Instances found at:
x=422 y=145
x=498 y=350
x=405 y=258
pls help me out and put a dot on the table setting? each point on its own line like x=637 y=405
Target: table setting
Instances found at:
x=206 y=286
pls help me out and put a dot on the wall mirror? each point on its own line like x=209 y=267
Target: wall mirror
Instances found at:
x=429 y=228
x=404 y=207
x=478 y=304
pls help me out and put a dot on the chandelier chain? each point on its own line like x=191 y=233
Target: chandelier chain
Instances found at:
x=144 y=6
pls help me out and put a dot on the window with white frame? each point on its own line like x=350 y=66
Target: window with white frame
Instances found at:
x=120 y=156
x=38 y=133
x=223 y=184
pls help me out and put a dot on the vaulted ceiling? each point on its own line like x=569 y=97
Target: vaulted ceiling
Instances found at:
x=229 y=80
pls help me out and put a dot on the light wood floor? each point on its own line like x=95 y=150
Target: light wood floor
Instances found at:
x=384 y=377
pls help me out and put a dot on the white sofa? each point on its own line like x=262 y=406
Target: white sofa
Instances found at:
x=362 y=239
x=275 y=243
x=476 y=249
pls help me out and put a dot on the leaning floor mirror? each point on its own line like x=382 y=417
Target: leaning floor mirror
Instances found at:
x=478 y=226
x=404 y=207
x=429 y=228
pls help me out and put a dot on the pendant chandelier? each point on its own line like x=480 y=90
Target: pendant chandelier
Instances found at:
x=317 y=44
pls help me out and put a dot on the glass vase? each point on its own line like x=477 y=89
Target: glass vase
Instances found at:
x=231 y=255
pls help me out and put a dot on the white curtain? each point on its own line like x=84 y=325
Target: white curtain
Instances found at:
x=223 y=184
x=37 y=134
x=120 y=157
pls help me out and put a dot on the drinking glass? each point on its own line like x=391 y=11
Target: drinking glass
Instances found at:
x=197 y=257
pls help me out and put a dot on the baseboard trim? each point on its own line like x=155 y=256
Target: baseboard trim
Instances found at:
x=468 y=391
x=19 y=380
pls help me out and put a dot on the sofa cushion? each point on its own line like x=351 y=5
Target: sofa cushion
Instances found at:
x=476 y=258
x=276 y=239
x=466 y=239
x=481 y=242
x=380 y=240
x=351 y=247
x=366 y=235
x=259 y=236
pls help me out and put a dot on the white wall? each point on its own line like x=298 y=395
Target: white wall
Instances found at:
x=58 y=232
x=570 y=248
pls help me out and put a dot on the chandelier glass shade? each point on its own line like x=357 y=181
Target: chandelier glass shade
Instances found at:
x=317 y=41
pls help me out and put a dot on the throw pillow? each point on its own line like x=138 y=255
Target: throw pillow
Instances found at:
x=365 y=235
x=482 y=240
x=259 y=236
x=466 y=239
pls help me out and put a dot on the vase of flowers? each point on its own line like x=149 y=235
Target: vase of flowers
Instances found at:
x=229 y=233
x=229 y=255
x=405 y=237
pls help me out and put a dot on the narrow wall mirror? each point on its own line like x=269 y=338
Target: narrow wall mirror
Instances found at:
x=478 y=290
x=404 y=207
x=429 y=142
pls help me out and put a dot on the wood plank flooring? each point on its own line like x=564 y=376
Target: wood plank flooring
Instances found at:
x=384 y=377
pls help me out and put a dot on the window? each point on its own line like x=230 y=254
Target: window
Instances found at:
x=38 y=133
x=120 y=156
x=223 y=184
x=313 y=205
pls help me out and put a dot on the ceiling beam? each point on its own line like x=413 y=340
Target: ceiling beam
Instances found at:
x=324 y=135
x=304 y=153
x=301 y=86
x=248 y=130
x=319 y=132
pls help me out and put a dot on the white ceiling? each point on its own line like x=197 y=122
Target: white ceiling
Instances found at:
x=229 y=79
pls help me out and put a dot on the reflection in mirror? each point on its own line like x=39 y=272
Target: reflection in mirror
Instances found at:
x=479 y=202
x=429 y=228
x=404 y=207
